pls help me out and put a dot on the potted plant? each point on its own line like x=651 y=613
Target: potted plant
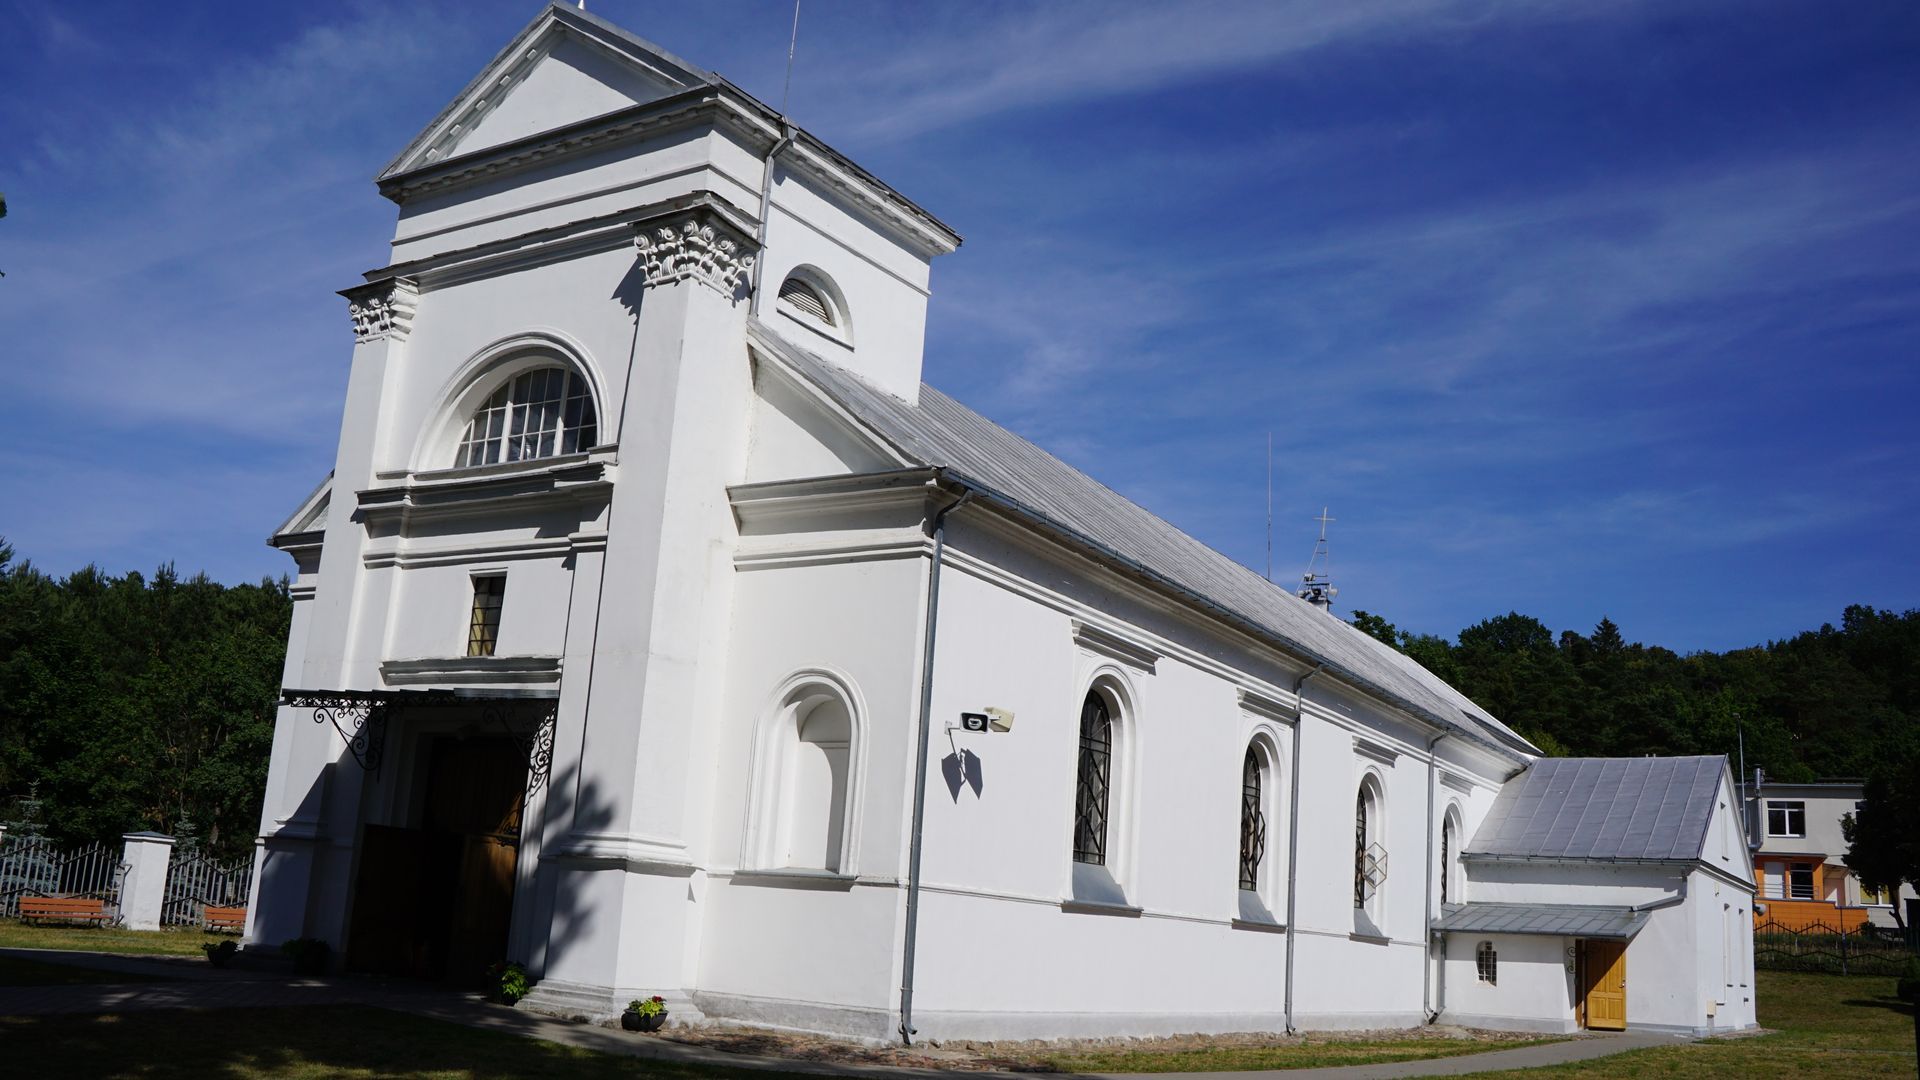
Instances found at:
x=507 y=983
x=219 y=952
x=309 y=955
x=646 y=1014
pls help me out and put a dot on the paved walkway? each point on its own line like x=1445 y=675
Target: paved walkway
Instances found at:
x=196 y=985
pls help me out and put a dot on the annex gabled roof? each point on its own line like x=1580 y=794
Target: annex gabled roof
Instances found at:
x=1650 y=808
x=567 y=65
x=942 y=433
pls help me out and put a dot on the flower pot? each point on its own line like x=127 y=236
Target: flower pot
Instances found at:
x=633 y=1021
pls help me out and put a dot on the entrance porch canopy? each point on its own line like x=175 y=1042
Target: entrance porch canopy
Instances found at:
x=360 y=716
x=1603 y=921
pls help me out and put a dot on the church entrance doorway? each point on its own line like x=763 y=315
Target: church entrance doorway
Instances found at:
x=434 y=900
x=1603 y=981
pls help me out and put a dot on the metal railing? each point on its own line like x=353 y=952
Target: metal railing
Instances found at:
x=33 y=866
x=196 y=881
x=1804 y=946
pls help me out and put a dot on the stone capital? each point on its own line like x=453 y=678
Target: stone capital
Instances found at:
x=695 y=245
x=382 y=309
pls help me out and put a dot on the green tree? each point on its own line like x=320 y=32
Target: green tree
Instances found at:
x=1883 y=844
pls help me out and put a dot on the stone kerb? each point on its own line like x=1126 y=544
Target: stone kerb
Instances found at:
x=143 y=892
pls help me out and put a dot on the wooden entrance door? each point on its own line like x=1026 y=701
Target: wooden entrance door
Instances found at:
x=1605 y=998
x=436 y=901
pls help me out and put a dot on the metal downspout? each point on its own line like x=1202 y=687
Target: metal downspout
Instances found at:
x=938 y=527
x=1426 y=966
x=1293 y=834
x=787 y=133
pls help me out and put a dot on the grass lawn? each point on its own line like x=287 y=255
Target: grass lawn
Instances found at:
x=1829 y=1026
x=297 y=1044
x=34 y=973
x=183 y=941
x=1311 y=1054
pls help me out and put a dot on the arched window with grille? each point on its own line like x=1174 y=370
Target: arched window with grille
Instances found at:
x=1253 y=820
x=540 y=413
x=1093 y=787
x=1369 y=856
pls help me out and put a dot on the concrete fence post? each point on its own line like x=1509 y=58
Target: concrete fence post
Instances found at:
x=143 y=893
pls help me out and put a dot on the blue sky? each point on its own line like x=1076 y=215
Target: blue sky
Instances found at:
x=1576 y=308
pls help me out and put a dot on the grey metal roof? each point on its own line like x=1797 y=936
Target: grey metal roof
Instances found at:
x=1603 y=808
x=941 y=432
x=1551 y=920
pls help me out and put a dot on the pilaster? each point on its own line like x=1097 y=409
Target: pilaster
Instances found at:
x=632 y=839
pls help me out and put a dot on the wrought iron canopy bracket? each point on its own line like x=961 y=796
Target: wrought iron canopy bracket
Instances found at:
x=360 y=716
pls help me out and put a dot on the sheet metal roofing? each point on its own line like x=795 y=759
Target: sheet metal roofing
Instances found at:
x=941 y=432
x=1551 y=920
x=1604 y=808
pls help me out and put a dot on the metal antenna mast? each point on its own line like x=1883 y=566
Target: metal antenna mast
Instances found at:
x=1269 y=506
x=1316 y=585
x=792 y=42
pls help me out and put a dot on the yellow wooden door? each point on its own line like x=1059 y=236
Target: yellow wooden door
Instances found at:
x=1606 y=985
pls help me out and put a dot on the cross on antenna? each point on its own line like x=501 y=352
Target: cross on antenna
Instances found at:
x=1316 y=585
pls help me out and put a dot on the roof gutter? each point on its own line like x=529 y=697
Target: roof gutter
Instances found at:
x=937 y=528
x=1426 y=917
x=1293 y=833
x=787 y=133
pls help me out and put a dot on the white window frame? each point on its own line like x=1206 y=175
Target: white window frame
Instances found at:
x=1787 y=808
x=1257 y=905
x=514 y=410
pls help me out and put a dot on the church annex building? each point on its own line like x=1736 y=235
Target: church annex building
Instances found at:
x=657 y=628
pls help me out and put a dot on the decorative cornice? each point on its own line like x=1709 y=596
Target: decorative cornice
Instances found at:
x=1386 y=755
x=382 y=309
x=698 y=245
x=1107 y=643
x=1260 y=703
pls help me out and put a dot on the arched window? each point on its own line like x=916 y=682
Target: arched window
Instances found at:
x=811 y=299
x=536 y=414
x=1094 y=783
x=1253 y=820
x=807 y=299
x=1449 y=850
x=804 y=789
x=1369 y=854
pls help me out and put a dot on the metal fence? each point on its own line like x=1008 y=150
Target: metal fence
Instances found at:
x=196 y=881
x=1863 y=950
x=33 y=866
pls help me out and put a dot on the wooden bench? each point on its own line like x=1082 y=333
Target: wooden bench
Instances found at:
x=224 y=920
x=63 y=908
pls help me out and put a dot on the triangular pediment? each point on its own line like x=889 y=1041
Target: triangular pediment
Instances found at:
x=564 y=67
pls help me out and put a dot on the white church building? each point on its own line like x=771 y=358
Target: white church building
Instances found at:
x=659 y=629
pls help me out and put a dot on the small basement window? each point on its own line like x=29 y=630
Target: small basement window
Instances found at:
x=1487 y=962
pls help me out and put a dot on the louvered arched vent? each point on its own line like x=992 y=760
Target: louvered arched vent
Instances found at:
x=807 y=300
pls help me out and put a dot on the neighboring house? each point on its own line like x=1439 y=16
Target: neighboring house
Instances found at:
x=659 y=629
x=1799 y=858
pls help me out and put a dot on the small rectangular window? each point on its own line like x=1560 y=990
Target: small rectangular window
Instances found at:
x=1786 y=819
x=483 y=627
x=1487 y=962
